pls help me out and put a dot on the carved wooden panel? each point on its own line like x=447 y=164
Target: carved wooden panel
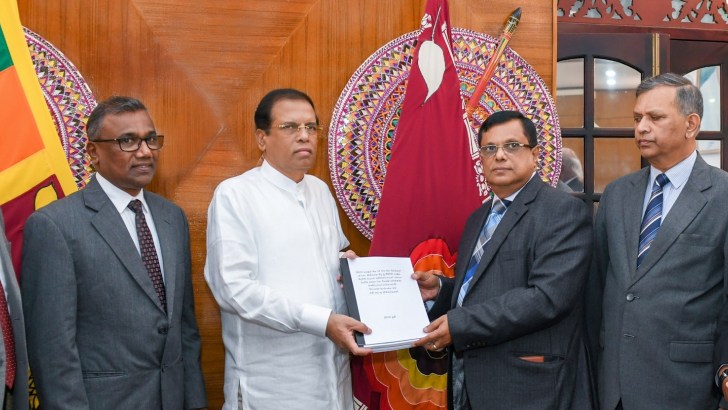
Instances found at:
x=703 y=14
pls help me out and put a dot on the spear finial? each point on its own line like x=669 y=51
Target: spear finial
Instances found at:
x=508 y=30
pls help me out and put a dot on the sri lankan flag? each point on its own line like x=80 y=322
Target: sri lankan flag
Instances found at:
x=33 y=166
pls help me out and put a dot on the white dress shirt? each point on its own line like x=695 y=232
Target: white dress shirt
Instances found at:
x=272 y=261
x=121 y=200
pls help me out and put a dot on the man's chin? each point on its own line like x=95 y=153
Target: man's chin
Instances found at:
x=142 y=182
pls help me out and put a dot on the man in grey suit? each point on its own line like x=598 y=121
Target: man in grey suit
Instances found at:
x=512 y=316
x=14 y=378
x=660 y=278
x=106 y=287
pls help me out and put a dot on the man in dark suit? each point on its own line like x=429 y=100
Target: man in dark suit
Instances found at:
x=660 y=282
x=12 y=345
x=512 y=316
x=106 y=287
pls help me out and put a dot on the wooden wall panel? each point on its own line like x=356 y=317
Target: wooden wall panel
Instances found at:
x=116 y=51
x=201 y=67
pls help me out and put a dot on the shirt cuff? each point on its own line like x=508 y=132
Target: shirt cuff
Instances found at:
x=314 y=319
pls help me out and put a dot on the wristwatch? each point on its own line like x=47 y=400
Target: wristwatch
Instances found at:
x=720 y=377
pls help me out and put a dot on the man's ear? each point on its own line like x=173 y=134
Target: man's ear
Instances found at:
x=92 y=154
x=693 y=125
x=260 y=139
x=534 y=152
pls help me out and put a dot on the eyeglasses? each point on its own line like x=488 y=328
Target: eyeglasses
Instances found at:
x=292 y=129
x=131 y=144
x=508 y=148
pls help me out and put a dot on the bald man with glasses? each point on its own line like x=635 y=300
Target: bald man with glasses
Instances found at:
x=107 y=291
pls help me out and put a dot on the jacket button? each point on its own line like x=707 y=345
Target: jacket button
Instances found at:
x=162 y=330
x=630 y=297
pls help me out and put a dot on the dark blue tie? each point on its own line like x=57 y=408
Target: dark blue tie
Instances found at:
x=652 y=219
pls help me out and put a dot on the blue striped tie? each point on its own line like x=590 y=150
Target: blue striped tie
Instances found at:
x=496 y=214
x=653 y=216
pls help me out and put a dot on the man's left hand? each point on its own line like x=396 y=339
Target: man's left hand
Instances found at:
x=438 y=335
x=346 y=255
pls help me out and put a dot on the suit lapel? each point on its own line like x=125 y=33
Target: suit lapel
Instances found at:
x=168 y=237
x=633 y=217
x=686 y=208
x=12 y=289
x=111 y=228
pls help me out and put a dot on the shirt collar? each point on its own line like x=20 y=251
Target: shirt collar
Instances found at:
x=281 y=181
x=678 y=174
x=119 y=198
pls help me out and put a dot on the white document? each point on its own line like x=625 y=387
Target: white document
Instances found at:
x=387 y=300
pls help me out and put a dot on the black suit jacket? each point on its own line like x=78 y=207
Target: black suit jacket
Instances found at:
x=524 y=300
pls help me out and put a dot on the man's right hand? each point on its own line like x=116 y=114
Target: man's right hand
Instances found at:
x=429 y=284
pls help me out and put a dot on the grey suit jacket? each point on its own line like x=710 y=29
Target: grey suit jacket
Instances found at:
x=20 y=389
x=662 y=322
x=525 y=299
x=98 y=337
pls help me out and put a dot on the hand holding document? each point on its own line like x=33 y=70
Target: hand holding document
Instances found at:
x=380 y=292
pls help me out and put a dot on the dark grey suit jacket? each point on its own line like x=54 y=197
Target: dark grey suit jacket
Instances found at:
x=525 y=300
x=98 y=337
x=663 y=332
x=20 y=389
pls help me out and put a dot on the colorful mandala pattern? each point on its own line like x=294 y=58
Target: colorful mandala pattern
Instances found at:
x=69 y=101
x=365 y=117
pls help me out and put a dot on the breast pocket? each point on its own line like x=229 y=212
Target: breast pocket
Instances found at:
x=691 y=239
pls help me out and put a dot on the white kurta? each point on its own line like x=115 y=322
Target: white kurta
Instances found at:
x=272 y=261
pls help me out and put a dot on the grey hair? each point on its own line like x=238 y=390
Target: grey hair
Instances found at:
x=687 y=96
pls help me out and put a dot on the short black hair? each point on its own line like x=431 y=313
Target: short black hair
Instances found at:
x=112 y=106
x=262 y=113
x=501 y=117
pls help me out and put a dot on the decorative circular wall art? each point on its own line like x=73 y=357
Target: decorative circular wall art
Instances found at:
x=69 y=101
x=365 y=117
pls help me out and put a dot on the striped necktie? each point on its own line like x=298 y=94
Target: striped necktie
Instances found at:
x=653 y=217
x=495 y=216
